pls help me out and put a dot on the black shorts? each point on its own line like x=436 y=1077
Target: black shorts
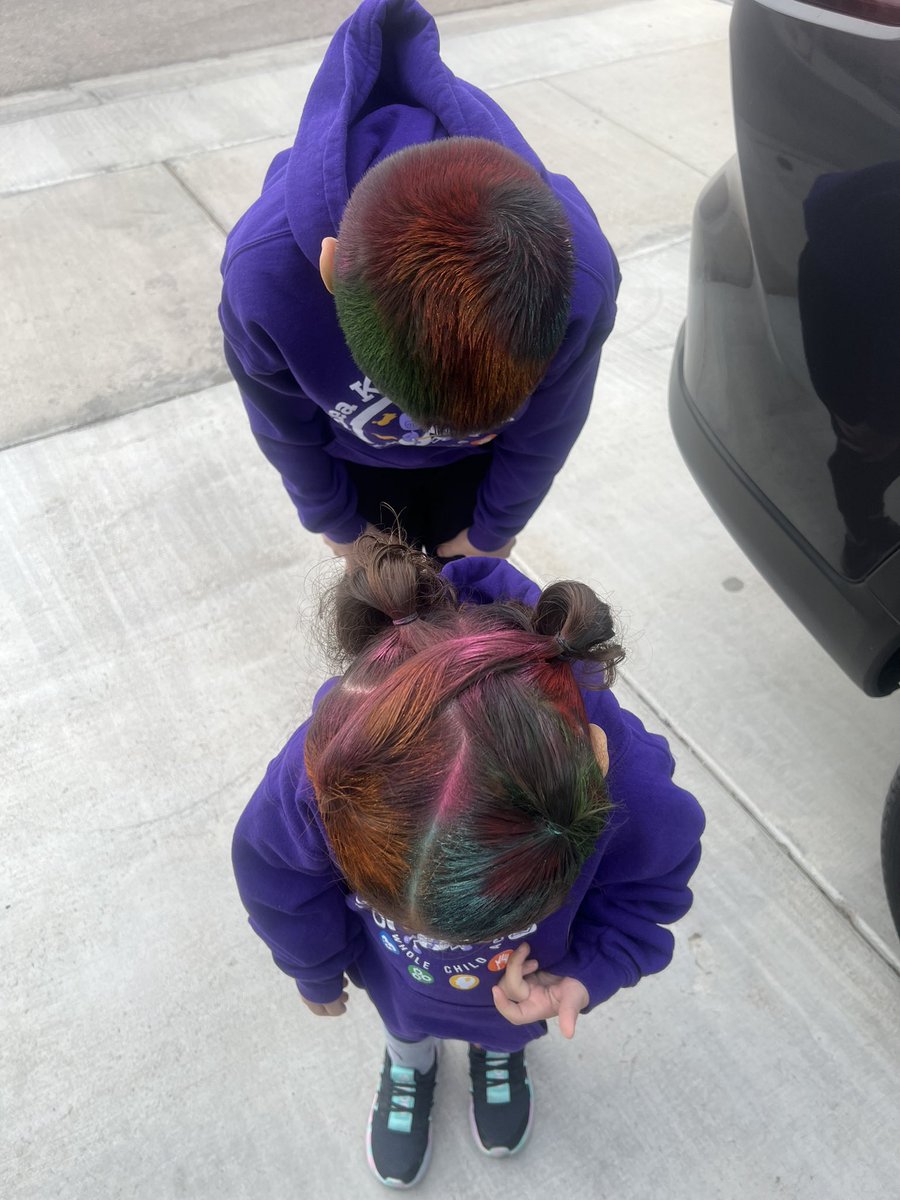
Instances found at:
x=431 y=504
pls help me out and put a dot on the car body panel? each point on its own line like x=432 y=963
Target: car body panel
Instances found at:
x=789 y=368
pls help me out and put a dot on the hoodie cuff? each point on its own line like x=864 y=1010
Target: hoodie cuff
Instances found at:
x=601 y=978
x=322 y=991
x=348 y=532
x=486 y=539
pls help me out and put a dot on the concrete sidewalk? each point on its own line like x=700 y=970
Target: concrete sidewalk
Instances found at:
x=152 y=574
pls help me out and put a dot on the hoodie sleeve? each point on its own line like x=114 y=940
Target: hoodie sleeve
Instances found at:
x=290 y=429
x=293 y=893
x=641 y=882
x=530 y=452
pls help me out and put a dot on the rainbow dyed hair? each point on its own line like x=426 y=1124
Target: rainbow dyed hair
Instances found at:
x=453 y=281
x=453 y=766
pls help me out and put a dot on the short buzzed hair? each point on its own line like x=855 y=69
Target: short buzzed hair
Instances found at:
x=453 y=281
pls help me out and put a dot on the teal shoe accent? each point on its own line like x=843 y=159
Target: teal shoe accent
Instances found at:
x=400 y=1122
x=497 y=1079
x=402 y=1102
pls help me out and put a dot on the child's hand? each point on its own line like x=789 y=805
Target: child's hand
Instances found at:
x=527 y=994
x=461 y=545
x=334 y=1008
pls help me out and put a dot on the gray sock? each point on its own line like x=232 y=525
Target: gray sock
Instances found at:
x=418 y=1055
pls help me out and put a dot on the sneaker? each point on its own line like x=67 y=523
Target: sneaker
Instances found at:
x=398 y=1139
x=501 y=1109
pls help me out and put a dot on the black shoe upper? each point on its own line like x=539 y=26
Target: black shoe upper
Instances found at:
x=400 y=1126
x=501 y=1098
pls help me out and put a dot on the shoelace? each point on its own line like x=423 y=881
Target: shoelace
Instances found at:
x=402 y=1099
x=496 y=1076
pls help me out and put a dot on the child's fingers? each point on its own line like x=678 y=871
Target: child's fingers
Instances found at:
x=507 y=1008
x=512 y=983
x=573 y=997
x=568 y=1015
x=333 y=1008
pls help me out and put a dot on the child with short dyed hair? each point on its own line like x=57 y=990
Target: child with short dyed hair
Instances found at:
x=449 y=374
x=470 y=828
x=452 y=280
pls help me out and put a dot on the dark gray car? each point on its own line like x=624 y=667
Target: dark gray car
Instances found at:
x=785 y=387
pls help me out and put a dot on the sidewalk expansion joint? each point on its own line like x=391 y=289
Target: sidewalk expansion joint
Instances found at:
x=204 y=385
x=143 y=165
x=169 y=166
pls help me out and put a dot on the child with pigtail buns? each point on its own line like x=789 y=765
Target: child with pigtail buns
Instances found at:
x=470 y=829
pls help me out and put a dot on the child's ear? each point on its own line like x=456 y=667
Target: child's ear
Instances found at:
x=326 y=262
x=601 y=750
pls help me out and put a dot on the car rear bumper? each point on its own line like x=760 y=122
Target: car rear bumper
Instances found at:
x=848 y=619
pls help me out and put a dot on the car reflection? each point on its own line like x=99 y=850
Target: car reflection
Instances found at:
x=848 y=290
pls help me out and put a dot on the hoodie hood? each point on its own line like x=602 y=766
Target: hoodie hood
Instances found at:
x=381 y=86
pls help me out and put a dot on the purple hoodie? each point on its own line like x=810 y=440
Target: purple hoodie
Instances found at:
x=382 y=86
x=607 y=934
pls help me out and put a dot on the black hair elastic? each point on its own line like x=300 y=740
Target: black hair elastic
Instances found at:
x=566 y=652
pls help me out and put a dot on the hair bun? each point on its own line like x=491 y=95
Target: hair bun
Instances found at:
x=387 y=584
x=580 y=624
